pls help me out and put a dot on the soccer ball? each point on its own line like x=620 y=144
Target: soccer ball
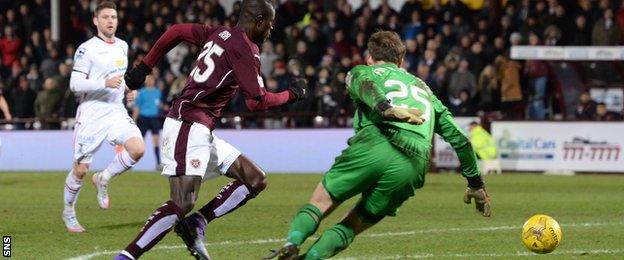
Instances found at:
x=541 y=234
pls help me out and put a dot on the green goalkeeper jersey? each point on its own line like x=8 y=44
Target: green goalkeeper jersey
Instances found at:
x=403 y=89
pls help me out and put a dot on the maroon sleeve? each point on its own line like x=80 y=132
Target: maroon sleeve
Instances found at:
x=246 y=67
x=192 y=33
x=268 y=100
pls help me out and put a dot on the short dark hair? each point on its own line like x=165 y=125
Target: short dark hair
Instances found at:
x=105 y=5
x=386 y=46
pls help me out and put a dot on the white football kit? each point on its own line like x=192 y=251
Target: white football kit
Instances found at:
x=101 y=114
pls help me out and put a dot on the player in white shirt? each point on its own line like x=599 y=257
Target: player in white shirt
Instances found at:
x=97 y=78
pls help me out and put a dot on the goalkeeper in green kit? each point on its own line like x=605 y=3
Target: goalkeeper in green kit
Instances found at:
x=388 y=156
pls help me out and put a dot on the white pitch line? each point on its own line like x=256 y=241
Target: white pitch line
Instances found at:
x=384 y=234
x=429 y=255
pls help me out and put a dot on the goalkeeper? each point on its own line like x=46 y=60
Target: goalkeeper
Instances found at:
x=388 y=156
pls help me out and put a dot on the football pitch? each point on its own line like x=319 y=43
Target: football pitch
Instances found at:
x=435 y=223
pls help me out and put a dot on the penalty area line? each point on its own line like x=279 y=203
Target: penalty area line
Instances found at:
x=384 y=234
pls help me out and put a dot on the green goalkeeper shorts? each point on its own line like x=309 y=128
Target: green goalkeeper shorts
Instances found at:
x=374 y=167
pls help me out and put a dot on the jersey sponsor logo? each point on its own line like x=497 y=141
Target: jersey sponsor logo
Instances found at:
x=195 y=163
x=120 y=63
x=225 y=35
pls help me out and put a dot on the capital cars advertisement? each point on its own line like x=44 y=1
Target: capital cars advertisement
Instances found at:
x=574 y=146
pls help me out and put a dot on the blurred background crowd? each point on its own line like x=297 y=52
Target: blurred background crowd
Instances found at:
x=460 y=50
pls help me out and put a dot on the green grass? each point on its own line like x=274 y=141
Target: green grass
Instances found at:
x=434 y=223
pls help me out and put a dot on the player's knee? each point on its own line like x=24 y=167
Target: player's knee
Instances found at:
x=258 y=182
x=136 y=150
x=80 y=171
x=136 y=154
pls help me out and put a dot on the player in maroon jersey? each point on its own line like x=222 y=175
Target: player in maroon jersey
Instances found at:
x=190 y=151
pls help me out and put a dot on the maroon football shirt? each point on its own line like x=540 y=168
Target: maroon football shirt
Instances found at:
x=228 y=60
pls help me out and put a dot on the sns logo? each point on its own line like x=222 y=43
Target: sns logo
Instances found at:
x=6 y=246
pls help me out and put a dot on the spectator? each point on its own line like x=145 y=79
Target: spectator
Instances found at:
x=536 y=71
x=441 y=78
x=293 y=36
x=620 y=17
x=327 y=104
x=28 y=20
x=267 y=57
x=69 y=104
x=424 y=73
x=411 y=54
x=147 y=111
x=586 y=109
x=462 y=79
x=315 y=44
x=302 y=54
x=341 y=45
x=438 y=37
x=508 y=72
x=414 y=27
x=330 y=26
x=10 y=45
x=48 y=104
x=34 y=81
x=465 y=106
x=605 y=30
x=5 y=108
x=488 y=92
x=580 y=33
x=23 y=101
x=552 y=36
x=476 y=58
x=63 y=76
x=49 y=66
x=175 y=57
x=280 y=74
x=430 y=59
x=407 y=10
x=602 y=114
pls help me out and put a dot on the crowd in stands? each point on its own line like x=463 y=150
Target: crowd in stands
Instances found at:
x=462 y=54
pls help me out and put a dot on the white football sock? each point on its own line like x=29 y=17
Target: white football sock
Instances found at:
x=71 y=191
x=121 y=163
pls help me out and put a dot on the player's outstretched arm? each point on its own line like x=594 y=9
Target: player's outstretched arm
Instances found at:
x=446 y=127
x=296 y=91
x=192 y=33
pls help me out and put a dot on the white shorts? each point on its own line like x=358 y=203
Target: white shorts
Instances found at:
x=191 y=149
x=89 y=136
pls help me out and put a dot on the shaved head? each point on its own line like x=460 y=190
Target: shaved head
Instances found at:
x=256 y=18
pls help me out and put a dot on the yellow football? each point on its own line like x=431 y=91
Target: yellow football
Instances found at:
x=541 y=234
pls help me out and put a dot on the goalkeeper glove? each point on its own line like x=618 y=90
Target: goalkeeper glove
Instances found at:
x=409 y=115
x=481 y=198
x=136 y=76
